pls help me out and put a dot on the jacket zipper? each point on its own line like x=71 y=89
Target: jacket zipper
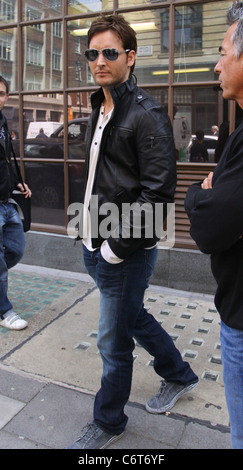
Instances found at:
x=151 y=142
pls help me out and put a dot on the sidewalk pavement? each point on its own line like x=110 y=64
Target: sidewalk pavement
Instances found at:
x=50 y=372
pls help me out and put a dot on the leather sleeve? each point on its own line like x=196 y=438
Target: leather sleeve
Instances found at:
x=156 y=159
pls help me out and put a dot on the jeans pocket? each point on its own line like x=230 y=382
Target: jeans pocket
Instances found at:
x=110 y=277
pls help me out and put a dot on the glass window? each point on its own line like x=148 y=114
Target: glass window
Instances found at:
x=78 y=69
x=33 y=13
x=8 y=11
x=43 y=156
x=127 y=3
x=45 y=8
x=76 y=7
x=54 y=162
x=159 y=94
x=8 y=57
x=79 y=105
x=151 y=60
x=78 y=114
x=43 y=56
x=76 y=138
x=11 y=111
x=198 y=33
x=46 y=181
x=76 y=182
x=196 y=109
x=39 y=112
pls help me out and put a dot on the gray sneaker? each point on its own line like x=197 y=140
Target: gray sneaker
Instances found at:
x=168 y=395
x=93 y=437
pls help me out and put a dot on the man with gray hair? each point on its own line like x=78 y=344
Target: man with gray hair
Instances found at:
x=215 y=210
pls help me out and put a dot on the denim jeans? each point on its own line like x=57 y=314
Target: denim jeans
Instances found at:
x=122 y=318
x=232 y=359
x=12 y=243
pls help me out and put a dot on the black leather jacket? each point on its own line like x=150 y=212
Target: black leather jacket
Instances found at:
x=137 y=160
x=8 y=180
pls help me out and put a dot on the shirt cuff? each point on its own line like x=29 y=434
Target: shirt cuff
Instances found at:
x=108 y=254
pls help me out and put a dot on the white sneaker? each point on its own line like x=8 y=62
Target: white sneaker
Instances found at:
x=14 y=322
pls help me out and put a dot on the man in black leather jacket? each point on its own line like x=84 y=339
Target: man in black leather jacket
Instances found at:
x=12 y=240
x=130 y=160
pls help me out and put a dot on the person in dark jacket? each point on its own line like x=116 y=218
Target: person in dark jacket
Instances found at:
x=215 y=209
x=130 y=160
x=198 y=151
x=12 y=240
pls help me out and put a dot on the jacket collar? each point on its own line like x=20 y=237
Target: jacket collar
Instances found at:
x=117 y=92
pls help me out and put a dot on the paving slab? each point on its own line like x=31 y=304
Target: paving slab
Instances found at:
x=9 y=408
x=53 y=368
x=54 y=417
x=11 y=441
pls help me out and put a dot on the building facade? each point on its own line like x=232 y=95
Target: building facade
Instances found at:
x=42 y=44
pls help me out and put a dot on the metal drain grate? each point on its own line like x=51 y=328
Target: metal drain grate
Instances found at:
x=83 y=346
x=179 y=326
x=164 y=312
x=210 y=375
x=190 y=354
x=197 y=342
x=187 y=316
x=216 y=360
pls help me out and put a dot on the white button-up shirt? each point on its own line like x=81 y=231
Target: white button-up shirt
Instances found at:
x=106 y=252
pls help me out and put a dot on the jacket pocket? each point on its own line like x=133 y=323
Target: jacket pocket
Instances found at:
x=153 y=141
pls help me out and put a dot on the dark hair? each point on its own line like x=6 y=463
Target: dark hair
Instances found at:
x=2 y=80
x=199 y=135
x=235 y=15
x=119 y=26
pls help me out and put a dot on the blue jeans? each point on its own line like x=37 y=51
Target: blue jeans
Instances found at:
x=12 y=243
x=232 y=359
x=122 y=318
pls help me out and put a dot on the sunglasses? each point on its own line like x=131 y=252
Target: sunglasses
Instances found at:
x=108 y=53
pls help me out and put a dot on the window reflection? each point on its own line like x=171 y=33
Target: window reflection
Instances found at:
x=44 y=140
x=84 y=6
x=79 y=104
x=126 y=3
x=159 y=94
x=42 y=110
x=46 y=181
x=76 y=182
x=11 y=111
x=79 y=110
x=197 y=35
x=43 y=56
x=8 y=11
x=188 y=28
x=78 y=69
x=150 y=59
x=41 y=9
x=8 y=56
x=54 y=161
x=196 y=109
x=44 y=156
